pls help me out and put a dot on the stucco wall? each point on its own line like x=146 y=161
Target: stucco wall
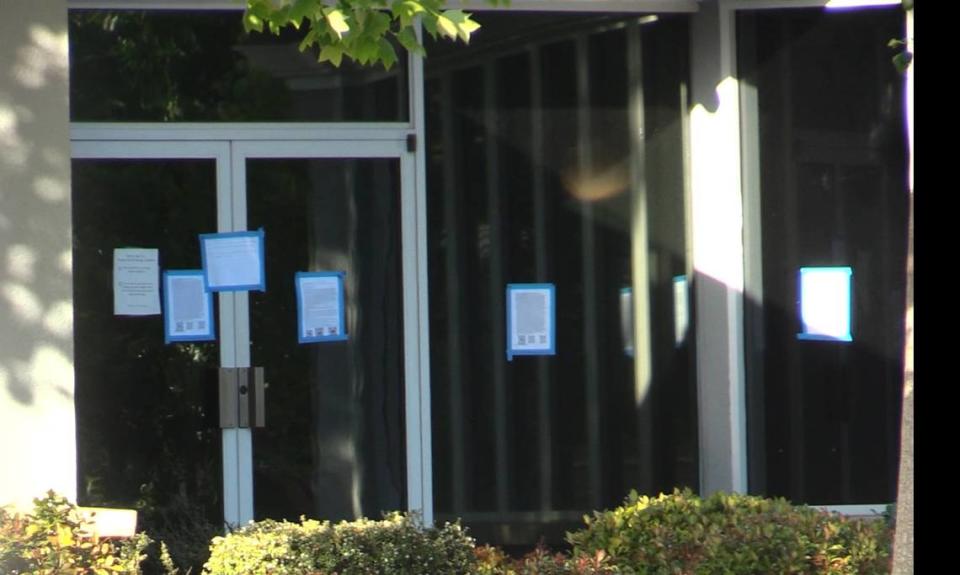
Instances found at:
x=37 y=445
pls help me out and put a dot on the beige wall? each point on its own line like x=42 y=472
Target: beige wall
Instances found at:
x=37 y=445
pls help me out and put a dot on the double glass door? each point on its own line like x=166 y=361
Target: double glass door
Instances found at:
x=341 y=435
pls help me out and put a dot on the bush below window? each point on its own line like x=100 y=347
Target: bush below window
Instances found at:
x=54 y=539
x=683 y=533
x=669 y=534
x=396 y=544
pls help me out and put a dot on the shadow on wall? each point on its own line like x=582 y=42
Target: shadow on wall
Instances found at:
x=36 y=312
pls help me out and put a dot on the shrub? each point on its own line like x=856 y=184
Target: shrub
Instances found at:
x=398 y=544
x=53 y=539
x=540 y=561
x=184 y=531
x=683 y=533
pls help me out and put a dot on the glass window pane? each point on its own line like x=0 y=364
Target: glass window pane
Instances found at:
x=534 y=175
x=148 y=434
x=333 y=446
x=824 y=415
x=200 y=66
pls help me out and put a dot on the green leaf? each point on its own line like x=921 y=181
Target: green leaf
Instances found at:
x=405 y=11
x=332 y=53
x=281 y=17
x=309 y=40
x=262 y=9
x=377 y=23
x=408 y=39
x=446 y=27
x=360 y=15
x=387 y=54
x=902 y=61
x=462 y=23
x=300 y=10
x=430 y=24
x=337 y=22
x=252 y=23
x=366 y=51
x=467 y=28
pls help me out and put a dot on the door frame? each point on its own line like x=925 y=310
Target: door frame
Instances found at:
x=230 y=146
x=416 y=422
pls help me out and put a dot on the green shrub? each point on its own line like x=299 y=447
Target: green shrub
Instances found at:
x=184 y=532
x=492 y=561
x=53 y=539
x=540 y=561
x=683 y=533
x=398 y=544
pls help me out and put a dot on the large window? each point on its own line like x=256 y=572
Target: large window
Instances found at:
x=824 y=412
x=200 y=66
x=556 y=155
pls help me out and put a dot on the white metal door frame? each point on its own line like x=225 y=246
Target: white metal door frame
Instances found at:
x=230 y=157
x=417 y=423
x=219 y=152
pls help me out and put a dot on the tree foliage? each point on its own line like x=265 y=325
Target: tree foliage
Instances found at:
x=365 y=31
x=904 y=55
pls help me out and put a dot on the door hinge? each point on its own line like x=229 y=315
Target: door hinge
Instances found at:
x=411 y=142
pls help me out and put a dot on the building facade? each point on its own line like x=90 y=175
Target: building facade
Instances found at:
x=715 y=190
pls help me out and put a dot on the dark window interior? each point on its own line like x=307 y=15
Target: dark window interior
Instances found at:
x=535 y=175
x=824 y=417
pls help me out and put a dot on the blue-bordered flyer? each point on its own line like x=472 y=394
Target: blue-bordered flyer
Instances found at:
x=320 y=315
x=825 y=295
x=187 y=307
x=233 y=261
x=531 y=319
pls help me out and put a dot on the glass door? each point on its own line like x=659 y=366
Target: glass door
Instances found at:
x=346 y=430
x=339 y=414
x=148 y=435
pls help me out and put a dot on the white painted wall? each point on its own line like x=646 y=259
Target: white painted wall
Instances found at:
x=37 y=443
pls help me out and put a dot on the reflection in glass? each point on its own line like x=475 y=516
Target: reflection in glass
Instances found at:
x=535 y=175
x=626 y=320
x=200 y=66
x=333 y=446
x=681 y=309
x=148 y=434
